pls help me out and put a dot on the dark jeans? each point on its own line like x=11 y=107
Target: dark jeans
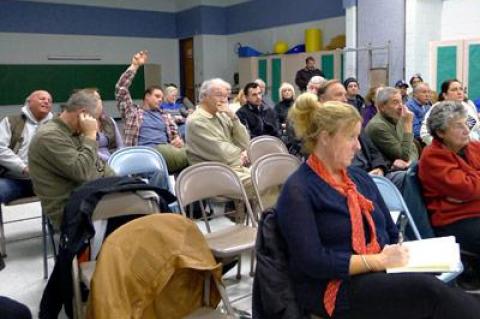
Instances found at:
x=412 y=296
x=11 y=309
x=11 y=189
x=466 y=231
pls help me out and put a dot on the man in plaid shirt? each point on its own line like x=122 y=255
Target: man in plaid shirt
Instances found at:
x=148 y=124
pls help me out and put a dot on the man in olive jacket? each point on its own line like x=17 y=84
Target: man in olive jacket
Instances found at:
x=63 y=154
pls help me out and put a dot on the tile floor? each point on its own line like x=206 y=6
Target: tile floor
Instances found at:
x=22 y=278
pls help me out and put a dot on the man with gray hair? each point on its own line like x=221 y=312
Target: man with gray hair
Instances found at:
x=215 y=133
x=391 y=129
x=315 y=84
x=267 y=101
x=419 y=104
x=16 y=133
x=63 y=154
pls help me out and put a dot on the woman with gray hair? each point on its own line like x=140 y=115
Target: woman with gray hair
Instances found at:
x=449 y=171
x=287 y=96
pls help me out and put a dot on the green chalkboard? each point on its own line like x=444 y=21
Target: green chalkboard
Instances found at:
x=474 y=71
x=276 y=79
x=17 y=81
x=327 y=66
x=446 y=64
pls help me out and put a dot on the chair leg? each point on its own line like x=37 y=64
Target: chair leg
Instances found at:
x=239 y=267
x=252 y=263
x=3 y=246
x=45 y=248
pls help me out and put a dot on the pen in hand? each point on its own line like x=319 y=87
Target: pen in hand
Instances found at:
x=402 y=225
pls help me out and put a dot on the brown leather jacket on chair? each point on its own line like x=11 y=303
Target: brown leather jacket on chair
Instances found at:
x=153 y=267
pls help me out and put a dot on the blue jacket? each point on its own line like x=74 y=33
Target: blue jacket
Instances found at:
x=419 y=112
x=315 y=222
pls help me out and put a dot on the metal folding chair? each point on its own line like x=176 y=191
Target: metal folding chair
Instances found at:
x=263 y=145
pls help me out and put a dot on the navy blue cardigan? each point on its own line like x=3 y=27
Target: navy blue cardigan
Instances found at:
x=315 y=222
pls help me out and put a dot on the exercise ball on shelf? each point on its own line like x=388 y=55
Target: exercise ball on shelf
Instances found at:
x=280 y=47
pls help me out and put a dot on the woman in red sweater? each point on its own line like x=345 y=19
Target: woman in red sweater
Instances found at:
x=449 y=170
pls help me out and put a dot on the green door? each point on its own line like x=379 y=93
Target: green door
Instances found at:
x=446 y=64
x=276 y=79
x=262 y=70
x=328 y=66
x=474 y=71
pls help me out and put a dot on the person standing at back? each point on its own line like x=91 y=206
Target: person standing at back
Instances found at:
x=304 y=75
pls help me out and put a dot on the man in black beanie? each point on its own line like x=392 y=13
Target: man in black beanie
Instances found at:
x=353 y=98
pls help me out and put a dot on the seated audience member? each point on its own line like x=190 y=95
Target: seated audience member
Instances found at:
x=419 y=105
x=402 y=86
x=449 y=171
x=238 y=101
x=340 y=237
x=258 y=119
x=315 y=84
x=452 y=90
x=287 y=97
x=149 y=125
x=391 y=129
x=173 y=107
x=11 y=309
x=304 y=75
x=415 y=79
x=267 y=101
x=64 y=154
x=368 y=158
x=215 y=133
x=16 y=133
x=353 y=98
x=108 y=135
x=370 y=105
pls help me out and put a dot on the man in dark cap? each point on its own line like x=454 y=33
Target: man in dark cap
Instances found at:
x=353 y=98
x=403 y=87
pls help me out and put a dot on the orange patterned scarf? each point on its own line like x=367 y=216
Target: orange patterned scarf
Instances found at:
x=358 y=205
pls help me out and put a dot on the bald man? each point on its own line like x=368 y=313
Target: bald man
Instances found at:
x=16 y=132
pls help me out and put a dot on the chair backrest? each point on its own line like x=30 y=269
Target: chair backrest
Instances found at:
x=263 y=145
x=207 y=180
x=272 y=170
x=394 y=200
x=413 y=196
x=136 y=160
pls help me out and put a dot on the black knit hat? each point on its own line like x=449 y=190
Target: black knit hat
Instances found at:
x=348 y=81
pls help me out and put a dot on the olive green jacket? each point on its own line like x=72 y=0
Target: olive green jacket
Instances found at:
x=60 y=160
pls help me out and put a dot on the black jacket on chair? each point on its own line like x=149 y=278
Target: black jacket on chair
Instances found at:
x=77 y=230
x=259 y=120
x=273 y=295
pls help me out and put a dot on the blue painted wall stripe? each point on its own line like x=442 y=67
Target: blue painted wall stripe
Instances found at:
x=35 y=17
x=48 y=18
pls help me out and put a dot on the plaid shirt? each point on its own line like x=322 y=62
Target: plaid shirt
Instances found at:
x=132 y=113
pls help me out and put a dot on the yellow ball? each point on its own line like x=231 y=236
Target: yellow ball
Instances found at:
x=280 y=47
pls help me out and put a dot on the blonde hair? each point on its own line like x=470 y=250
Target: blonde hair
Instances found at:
x=310 y=118
x=239 y=96
x=170 y=89
x=285 y=85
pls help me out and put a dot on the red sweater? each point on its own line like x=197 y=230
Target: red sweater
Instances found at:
x=451 y=185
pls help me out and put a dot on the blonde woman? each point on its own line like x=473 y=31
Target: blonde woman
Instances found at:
x=287 y=96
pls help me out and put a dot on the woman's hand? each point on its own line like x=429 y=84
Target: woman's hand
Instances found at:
x=391 y=256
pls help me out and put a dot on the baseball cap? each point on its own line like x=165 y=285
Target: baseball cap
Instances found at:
x=401 y=83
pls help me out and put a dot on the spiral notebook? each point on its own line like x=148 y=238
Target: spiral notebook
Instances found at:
x=435 y=255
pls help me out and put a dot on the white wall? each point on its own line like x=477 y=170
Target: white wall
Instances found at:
x=264 y=40
x=422 y=26
x=210 y=53
x=19 y=48
x=460 y=19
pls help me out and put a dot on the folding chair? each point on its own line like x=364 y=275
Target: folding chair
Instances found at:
x=111 y=205
x=394 y=201
x=140 y=160
x=263 y=145
x=47 y=230
x=269 y=171
x=211 y=179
